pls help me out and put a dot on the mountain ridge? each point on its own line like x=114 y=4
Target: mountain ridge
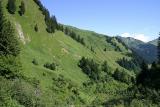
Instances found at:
x=148 y=51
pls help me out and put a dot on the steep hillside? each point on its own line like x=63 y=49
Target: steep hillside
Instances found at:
x=154 y=42
x=57 y=47
x=148 y=51
x=67 y=84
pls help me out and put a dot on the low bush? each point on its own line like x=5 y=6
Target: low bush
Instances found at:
x=35 y=62
x=51 y=66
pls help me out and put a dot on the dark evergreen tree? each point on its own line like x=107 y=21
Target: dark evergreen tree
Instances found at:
x=105 y=67
x=90 y=68
x=128 y=64
x=36 y=28
x=51 y=66
x=92 y=49
x=35 y=62
x=54 y=22
x=22 y=8
x=38 y=2
x=61 y=28
x=122 y=76
x=117 y=74
x=154 y=65
x=50 y=21
x=11 y=6
x=82 y=41
x=74 y=36
x=78 y=38
x=9 y=44
x=1 y=17
x=143 y=76
x=66 y=31
x=159 y=49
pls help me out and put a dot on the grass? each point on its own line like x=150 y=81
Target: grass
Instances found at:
x=61 y=49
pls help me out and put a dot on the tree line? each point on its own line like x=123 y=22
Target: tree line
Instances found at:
x=120 y=41
x=50 y=21
x=123 y=76
x=90 y=67
x=11 y=6
x=128 y=64
x=110 y=40
x=97 y=72
x=73 y=35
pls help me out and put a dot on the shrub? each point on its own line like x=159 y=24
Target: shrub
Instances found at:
x=9 y=66
x=128 y=64
x=51 y=66
x=105 y=67
x=122 y=76
x=90 y=68
x=22 y=8
x=35 y=62
x=36 y=28
x=24 y=93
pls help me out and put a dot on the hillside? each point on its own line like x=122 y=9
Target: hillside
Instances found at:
x=148 y=51
x=56 y=69
x=154 y=42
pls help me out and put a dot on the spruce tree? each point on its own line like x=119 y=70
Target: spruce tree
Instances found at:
x=143 y=77
x=1 y=17
x=36 y=28
x=9 y=44
x=105 y=67
x=22 y=8
x=11 y=6
x=54 y=20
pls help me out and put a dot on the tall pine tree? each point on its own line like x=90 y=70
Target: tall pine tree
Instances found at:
x=144 y=76
x=1 y=17
x=9 y=44
x=22 y=8
x=11 y=6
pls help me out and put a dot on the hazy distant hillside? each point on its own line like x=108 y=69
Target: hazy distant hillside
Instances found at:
x=148 y=51
x=154 y=42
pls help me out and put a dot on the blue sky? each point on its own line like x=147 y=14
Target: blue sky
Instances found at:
x=134 y=18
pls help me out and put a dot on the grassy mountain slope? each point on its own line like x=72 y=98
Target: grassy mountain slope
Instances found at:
x=64 y=51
